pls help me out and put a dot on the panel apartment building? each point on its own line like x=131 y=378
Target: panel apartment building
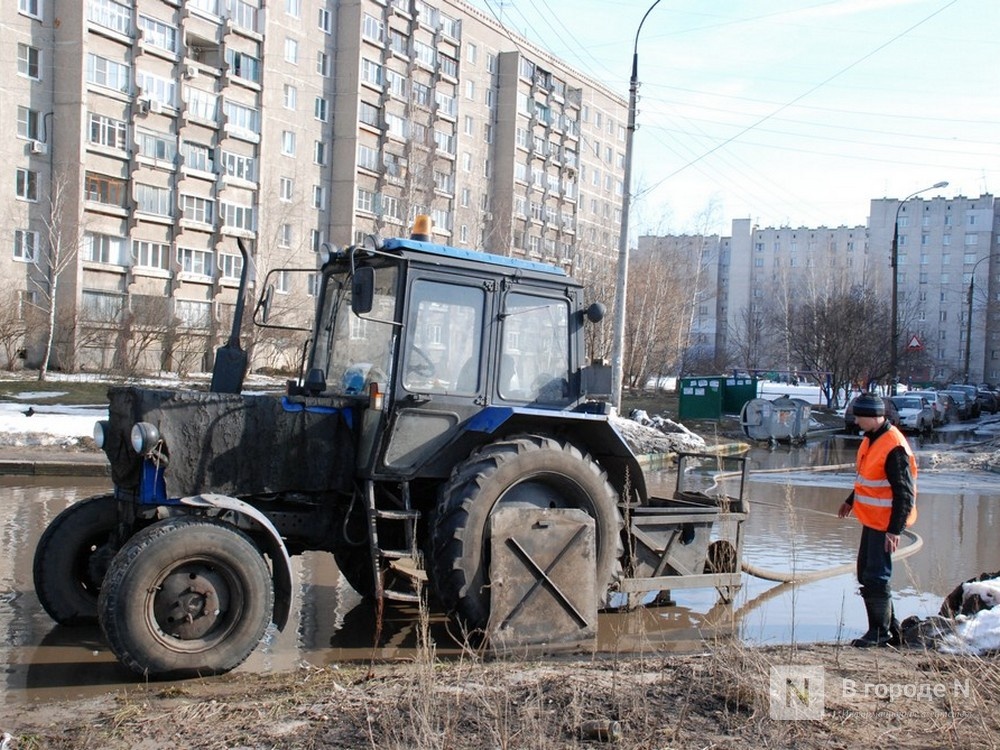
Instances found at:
x=152 y=136
x=946 y=248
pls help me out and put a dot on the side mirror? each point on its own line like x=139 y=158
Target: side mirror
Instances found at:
x=363 y=290
x=265 y=303
x=596 y=312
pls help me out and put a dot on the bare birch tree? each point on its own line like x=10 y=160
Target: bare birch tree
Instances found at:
x=63 y=233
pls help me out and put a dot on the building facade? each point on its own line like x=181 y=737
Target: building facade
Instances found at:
x=948 y=266
x=155 y=137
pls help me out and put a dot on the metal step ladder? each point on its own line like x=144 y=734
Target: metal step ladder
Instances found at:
x=406 y=563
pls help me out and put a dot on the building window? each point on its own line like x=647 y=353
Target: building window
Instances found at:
x=285 y=189
x=105 y=131
x=157 y=34
x=151 y=254
x=291 y=96
x=321 y=110
x=281 y=282
x=104 y=248
x=195 y=262
x=27 y=123
x=26 y=184
x=163 y=90
x=31 y=8
x=29 y=61
x=319 y=197
x=373 y=28
x=285 y=236
x=241 y=118
x=239 y=167
x=319 y=153
x=154 y=200
x=325 y=21
x=365 y=201
x=293 y=8
x=156 y=145
x=195 y=208
x=288 y=142
x=291 y=51
x=107 y=73
x=316 y=240
x=371 y=72
x=230 y=266
x=25 y=245
x=198 y=157
x=101 y=306
x=323 y=64
x=243 y=65
x=235 y=216
x=100 y=188
x=193 y=314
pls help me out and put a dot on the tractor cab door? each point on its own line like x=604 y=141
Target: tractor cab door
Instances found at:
x=440 y=376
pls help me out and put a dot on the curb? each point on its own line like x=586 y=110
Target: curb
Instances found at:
x=55 y=468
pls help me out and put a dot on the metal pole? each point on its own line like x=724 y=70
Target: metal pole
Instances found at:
x=968 y=316
x=618 y=349
x=968 y=321
x=894 y=263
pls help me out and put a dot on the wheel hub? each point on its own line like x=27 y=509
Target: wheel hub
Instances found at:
x=191 y=602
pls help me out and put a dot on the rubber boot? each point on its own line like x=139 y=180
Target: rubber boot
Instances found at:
x=895 y=632
x=879 y=633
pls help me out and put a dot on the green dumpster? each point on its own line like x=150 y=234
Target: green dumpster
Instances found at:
x=701 y=398
x=736 y=391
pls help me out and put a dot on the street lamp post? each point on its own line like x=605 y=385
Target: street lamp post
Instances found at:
x=894 y=262
x=968 y=315
x=618 y=349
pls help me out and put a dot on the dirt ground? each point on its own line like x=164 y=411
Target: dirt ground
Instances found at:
x=846 y=698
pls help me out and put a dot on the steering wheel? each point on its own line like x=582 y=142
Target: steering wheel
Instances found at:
x=424 y=369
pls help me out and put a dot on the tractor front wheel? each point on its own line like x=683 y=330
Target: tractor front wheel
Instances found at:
x=72 y=557
x=184 y=597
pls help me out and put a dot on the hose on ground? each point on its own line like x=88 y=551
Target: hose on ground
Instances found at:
x=916 y=542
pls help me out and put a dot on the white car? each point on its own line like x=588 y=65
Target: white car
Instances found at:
x=914 y=413
x=938 y=407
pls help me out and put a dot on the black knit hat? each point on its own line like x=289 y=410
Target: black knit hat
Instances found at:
x=869 y=405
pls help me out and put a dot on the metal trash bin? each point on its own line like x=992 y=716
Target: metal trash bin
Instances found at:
x=783 y=419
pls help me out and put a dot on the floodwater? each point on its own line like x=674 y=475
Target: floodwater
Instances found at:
x=792 y=527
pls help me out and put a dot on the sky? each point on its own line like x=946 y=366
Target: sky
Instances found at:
x=787 y=112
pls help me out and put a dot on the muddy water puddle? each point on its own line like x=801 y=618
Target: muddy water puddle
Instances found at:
x=792 y=526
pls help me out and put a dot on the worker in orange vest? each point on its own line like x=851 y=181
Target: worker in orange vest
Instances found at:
x=884 y=500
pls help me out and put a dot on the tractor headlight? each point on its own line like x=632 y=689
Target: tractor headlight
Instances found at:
x=144 y=436
x=101 y=430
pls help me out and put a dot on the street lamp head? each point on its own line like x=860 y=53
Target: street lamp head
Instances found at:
x=939 y=185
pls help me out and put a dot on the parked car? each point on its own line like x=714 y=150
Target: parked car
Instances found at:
x=915 y=413
x=962 y=402
x=851 y=424
x=988 y=401
x=940 y=404
x=971 y=391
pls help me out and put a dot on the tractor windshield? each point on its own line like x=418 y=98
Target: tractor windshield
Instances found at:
x=355 y=351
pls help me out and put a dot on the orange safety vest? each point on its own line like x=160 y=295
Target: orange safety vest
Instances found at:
x=872 y=493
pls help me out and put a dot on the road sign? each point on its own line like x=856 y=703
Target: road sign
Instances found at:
x=914 y=344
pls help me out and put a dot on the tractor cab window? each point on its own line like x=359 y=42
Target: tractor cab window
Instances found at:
x=356 y=351
x=534 y=355
x=442 y=349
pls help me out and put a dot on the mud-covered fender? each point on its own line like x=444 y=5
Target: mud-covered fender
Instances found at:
x=281 y=563
x=593 y=432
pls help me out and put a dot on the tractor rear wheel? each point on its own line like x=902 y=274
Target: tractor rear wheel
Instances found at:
x=72 y=557
x=184 y=597
x=529 y=471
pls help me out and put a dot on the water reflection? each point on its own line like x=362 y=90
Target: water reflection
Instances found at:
x=792 y=526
